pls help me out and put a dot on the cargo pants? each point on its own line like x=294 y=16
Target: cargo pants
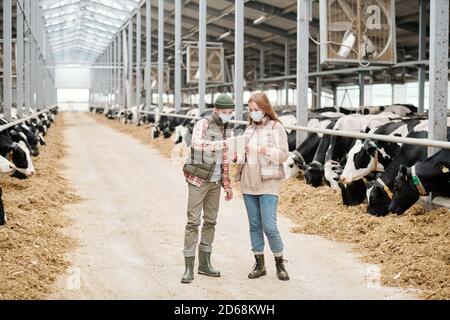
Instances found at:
x=205 y=198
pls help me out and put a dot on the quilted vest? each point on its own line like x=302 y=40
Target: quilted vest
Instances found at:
x=201 y=164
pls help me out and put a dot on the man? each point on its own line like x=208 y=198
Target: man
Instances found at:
x=206 y=171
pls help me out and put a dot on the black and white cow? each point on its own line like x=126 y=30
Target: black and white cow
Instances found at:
x=379 y=194
x=166 y=125
x=5 y=168
x=19 y=155
x=314 y=170
x=336 y=154
x=370 y=156
x=431 y=175
x=367 y=158
x=400 y=109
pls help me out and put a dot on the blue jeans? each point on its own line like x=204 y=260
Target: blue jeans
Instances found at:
x=262 y=217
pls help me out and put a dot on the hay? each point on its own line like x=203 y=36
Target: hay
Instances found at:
x=31 y=244
x=413 y=250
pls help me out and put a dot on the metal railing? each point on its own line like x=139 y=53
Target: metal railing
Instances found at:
x=22 y=120
x=331 y=132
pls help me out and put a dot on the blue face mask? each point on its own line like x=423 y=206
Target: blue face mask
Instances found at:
x=225 y=117
x=257 y=116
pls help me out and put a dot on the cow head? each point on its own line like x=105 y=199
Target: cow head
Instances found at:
x=332 y=173
x=31 y=138
x=155 y=132
x=378 y=199
x=405 y=192
x=314 y=174
x=21 y=159
x=291 y=168
x=167 y=133
x=354 y=193
x=361 y=161
x=180 y=134
x=6 y=166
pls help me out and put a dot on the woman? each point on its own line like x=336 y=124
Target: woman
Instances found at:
x=260 y=174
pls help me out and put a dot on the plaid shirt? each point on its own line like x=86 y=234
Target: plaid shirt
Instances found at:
x=200 y=143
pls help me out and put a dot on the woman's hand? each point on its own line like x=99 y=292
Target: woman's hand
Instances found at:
x=257 y=149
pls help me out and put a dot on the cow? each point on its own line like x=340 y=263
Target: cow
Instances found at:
x=431 y=175
x=338 y=147
x=379 y=194
x=166 y=124
x=19 y=155
x=5 y=167
x=185 y=127
x=400 y=109
x=314 y=170
x=370 y=155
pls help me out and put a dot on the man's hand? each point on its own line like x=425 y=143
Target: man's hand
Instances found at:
x=228 y=195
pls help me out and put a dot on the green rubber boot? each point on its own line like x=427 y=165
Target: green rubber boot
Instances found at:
x=188 y=275
x=259 y=269
x=204 y=262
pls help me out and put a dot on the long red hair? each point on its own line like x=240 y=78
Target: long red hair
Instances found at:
x=263 y=103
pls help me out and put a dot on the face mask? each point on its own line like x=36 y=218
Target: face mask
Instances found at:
x=257 y=116
x=225 y=117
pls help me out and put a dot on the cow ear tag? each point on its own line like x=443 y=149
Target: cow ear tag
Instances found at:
x=445 y=169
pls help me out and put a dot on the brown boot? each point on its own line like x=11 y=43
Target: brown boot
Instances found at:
x=281 y=270
x=259 y=268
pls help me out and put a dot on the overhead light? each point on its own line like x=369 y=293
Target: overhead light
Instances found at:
x=260 y=19
x=224 y=35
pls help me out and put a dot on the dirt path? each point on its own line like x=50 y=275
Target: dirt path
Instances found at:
x=131 y=227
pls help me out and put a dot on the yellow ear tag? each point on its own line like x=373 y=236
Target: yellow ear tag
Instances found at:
x=445 y=169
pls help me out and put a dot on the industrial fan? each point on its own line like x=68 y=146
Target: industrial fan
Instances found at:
x=154 y=77
x=214 y=64
x=358 y=31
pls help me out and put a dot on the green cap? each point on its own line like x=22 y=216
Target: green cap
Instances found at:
x=224 y=101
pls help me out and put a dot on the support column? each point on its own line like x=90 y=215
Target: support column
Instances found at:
x=115 y=71
x=262 y=63
x=335 y=98
x=160 y=54
x=130 y=62
x=439 y=11
x=148 y=52
x=138 y=60
x=239 y=59
x=422 y=52
x=27 y=4
x=7 y=59
x=202 y=55
x=302 y=66
x=318 y=103
x=125 y=67
x=120 y=68
x=286 y=70
x=19 y=60
x=178 y=57
x=361 y=88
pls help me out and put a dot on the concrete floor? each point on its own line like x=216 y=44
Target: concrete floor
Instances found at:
x=131 y=228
